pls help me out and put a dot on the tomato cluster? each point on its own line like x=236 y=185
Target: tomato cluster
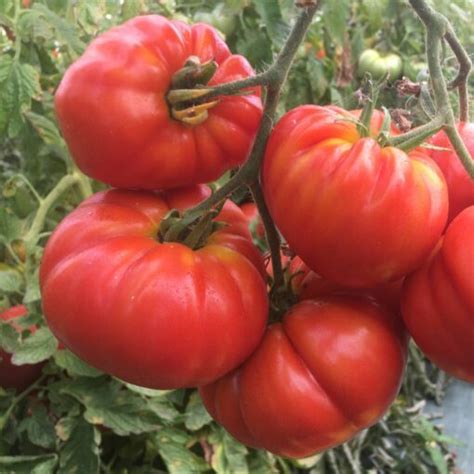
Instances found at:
x=165 y=301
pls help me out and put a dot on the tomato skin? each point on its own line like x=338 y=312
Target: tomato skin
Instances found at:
x=330 y=369
x=307 y=284
x=460 y=185
x=18 y=377
x=379 y=65
x=438 y=301
x=155 y=314
x=121 y=82
x=357 y=214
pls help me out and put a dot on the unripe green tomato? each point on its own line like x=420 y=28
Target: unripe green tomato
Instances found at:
x=378 y=65
x=219 y=19
x=413 y=69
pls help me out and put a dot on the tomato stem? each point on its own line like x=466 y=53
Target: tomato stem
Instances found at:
x=274 y=79
x=63 y=184
x=439 y=29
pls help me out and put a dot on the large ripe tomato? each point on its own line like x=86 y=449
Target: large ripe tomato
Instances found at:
x=18 y=377
x=330 y=369
x=155 y=314
x=438 y=301
x=307 y=284
x=460 y=184
x=356 y=213
x=112 y=107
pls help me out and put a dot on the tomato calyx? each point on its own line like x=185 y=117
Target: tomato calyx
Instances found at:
x=186 y=89
x=190 y=230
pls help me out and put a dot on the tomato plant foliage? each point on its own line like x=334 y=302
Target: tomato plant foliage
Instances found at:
x=74 y=418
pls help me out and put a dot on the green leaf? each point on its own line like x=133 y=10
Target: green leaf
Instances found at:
x=73 y=365
x=196 y=415
x=277 y=29
x=46 y=128
x=172 y=446
x=229 y=455
x=19 y=84
x=65 y=31
x=9 y=337
x=10 y=280
x=438 y=458
x=164 y=409
x=44 y=464
x=80 y=454
x=39 y=427
x=148 y=392
x=36 y=348
x=128 y=414
x=10 y=226
x=335 y=16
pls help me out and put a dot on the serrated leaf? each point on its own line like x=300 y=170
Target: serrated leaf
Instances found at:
x=438 y=458
x=9 y=337
x=164 y=410
x=178 y=458
x=65 y=31
x=196 y=415
x=33 y=26
x=73 y=365
x=149 y=392
x=229 y=455
x=123 y=419
x=36 y=348
x=80 y=454
x=272 y=19
x=19 y=83
x=39 y=427
x=44 y=464
x=335 y=16
x=46 y=128
x=10 y=280
x=10 y=226
x=128 y=414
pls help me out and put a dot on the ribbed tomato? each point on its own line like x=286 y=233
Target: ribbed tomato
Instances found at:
x=331 y=368
x=155 y=314
x=113 y=112
x=460 y=184
x=438 y=301
x=18 y=377
x=356 y=213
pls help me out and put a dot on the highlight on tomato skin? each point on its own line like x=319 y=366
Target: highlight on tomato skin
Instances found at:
x=359 y=215
x=331 y=368
x=123 y=79
x=18 y=377
x=460 y=184
x=164 y=313
x=438 y=301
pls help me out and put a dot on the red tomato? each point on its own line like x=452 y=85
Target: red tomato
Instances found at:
x=112 y=107
x=460 y=184
x=329 y=370
x=307 y=284
x=18 y=377
x=254 y=220
x=438 y=301
x=357 y=214
x=155 y=314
